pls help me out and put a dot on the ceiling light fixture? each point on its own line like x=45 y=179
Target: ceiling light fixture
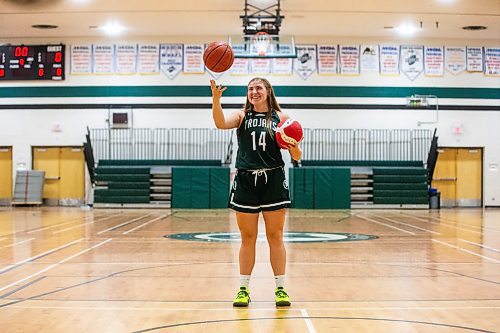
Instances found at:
x=44 y=26
x=407 y=29
x=113 y=28
x=474 y=27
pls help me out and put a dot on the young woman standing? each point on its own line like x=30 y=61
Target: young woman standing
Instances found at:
x=260 y=185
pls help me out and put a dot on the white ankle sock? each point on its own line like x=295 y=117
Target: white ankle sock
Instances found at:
x=279 y=280
x=244 y=280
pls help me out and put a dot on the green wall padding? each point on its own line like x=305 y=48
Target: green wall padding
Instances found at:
x=351 y=163
x=400 y=171
x=200 y=187
x=303 y=188
x=219 y=187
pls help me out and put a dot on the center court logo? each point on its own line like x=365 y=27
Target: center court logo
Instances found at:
x=288 y=237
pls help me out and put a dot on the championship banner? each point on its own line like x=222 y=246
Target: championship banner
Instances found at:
x=349 y=59
x=193 y=59
x=327 y=59
x=412 y=60
x=125 y=58
x=81 y=59
x=492 y=61
x=474 y=59
x=434 y=60
x=171 y=59
x=260 y=66
x=240 y=66
x=369 y=61
x=305 y=64
x=282 y=66
x=103 y=56
x=389 y=59
x=455 y=59
x=149 y=59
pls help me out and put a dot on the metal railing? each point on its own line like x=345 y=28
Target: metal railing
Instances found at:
x=161 y=143
x=366 y=144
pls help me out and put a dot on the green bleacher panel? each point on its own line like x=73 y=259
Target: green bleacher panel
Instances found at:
x=350 y=163
x=200 y=188
x=121 y=192
x=128 y=185
x=121 y=170
x=400 y=186
x=399 y=179
x=160 y=162
x=122 y=199
x=400 y=193
x=122 y=178
x=400 y=171
x=400 y=200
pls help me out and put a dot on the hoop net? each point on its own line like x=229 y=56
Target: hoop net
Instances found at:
x=261 y=41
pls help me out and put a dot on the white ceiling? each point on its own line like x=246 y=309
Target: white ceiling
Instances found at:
x=349 y=18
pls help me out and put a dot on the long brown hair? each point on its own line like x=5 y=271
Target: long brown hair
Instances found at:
x=272 y=103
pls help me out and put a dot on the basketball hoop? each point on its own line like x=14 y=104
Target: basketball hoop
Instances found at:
x=261 y=41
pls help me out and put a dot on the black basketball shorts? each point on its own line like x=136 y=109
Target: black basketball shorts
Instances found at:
x=253 y=191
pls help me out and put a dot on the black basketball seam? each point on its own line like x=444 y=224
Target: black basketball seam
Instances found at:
x=208 y=55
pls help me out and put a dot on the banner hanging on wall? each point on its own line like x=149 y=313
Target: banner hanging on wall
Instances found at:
x=349 y=59
x=171 y=59
x=327 y=59
x=305 y=64
x=126 y=59
x=389 y=59
x=193 y=59
x=369 y=58
x=412 y=60
x=148 y=62
x=434 y=61
x=81 y=59
x=474 y=59
x=492 y=61
x=455 y=59
x=282 y=66
x=103 y=59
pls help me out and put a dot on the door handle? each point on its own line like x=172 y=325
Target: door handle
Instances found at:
x=52 y=178
x=447 y=179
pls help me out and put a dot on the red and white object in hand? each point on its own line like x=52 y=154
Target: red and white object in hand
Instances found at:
x=289 y=133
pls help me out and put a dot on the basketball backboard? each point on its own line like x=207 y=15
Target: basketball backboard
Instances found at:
x=262 y=45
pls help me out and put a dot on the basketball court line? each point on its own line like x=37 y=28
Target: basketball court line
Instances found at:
x=58 y=224
x=405 y=224
x=19 y=263
x=464 y=250
x=457 y=224
x=386 y=225
x=82 y=224
x=17 y=243
x=480 y=245
x=56 y=264
x=309 y=324
x=442 y=224
x=145 y=224
x=124 y=223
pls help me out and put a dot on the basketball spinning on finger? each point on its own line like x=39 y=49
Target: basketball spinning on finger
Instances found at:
x=218 y=56
x=289 y=133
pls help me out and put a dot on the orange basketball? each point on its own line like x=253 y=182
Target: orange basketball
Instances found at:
x=218 y=57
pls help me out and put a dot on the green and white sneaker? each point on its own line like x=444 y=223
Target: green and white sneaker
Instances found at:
x=242 y=298
x=282 y=298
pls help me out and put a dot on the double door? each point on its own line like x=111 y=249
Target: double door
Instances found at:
x=64 y=174
x=5 y=175
x=459 y=177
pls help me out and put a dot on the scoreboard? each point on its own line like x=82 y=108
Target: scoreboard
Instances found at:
x=32 y=62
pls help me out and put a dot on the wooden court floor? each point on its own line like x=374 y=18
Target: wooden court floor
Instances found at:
x=75 y=270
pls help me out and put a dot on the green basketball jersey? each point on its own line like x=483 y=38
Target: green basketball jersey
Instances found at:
x=257 y=148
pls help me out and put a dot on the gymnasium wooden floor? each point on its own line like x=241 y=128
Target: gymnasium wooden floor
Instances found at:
x=74 y=270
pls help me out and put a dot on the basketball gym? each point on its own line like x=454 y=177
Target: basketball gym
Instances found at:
x=114 y=180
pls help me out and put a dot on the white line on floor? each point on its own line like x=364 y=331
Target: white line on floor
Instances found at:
x=144 y=224
x=386 y=225
x=309 y=324
x=480 y=245
x=461 y=249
